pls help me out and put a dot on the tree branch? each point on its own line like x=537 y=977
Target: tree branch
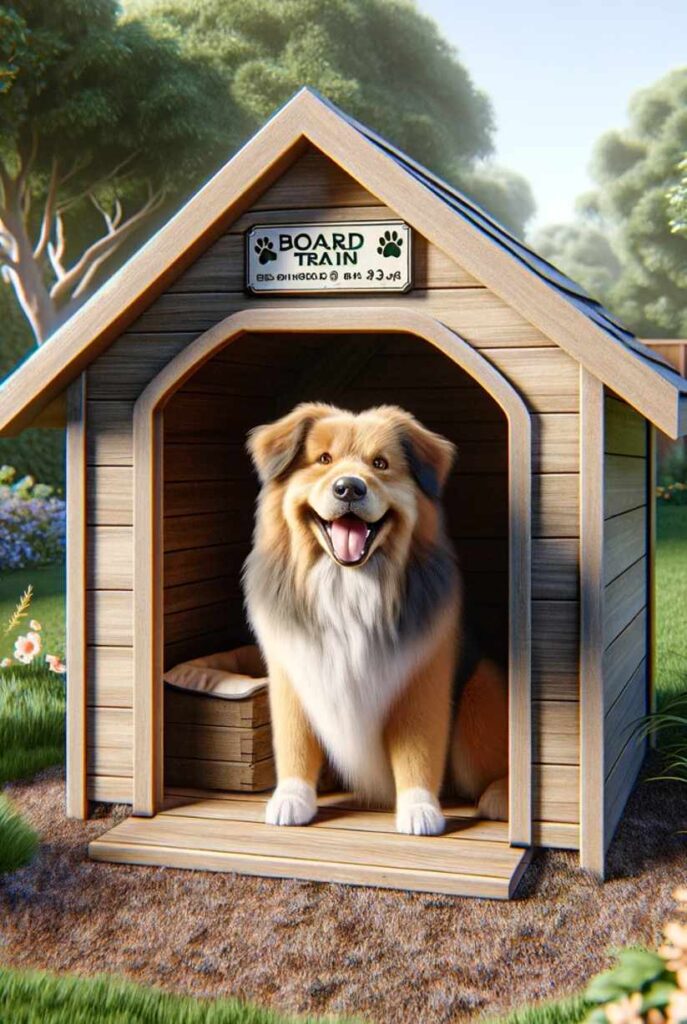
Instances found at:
x=48 y=212
x=114 y=173
x=75 y=280
x=56 y=252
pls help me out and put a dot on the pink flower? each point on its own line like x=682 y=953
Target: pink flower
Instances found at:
x=55 y=664
x=626 y=1010
x=35 y=624
x=5 y=663
x=27 y=647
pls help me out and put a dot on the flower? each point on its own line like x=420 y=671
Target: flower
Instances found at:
x=677 y=1007
x=55 y=664
x=674 y=952
x=35 y=624
x=27 y=647
x=5 y=663
x=680 y=894
x=626 y=1010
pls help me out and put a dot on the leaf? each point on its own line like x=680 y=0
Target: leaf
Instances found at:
x=605 y=988
x=640 y=966
x=658 y=995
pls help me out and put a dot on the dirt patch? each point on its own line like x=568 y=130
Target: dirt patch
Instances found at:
x=308 y=947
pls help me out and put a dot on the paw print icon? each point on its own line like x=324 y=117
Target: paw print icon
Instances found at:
x=265 y=250
x=390 y=244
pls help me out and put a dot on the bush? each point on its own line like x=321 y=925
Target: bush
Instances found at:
x=672 y=477
x=645 y=987
x=18 y=841
x=32 y=523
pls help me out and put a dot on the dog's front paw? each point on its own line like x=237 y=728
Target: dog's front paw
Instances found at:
x=493 y=803
x=294 y=802
x=418 y=813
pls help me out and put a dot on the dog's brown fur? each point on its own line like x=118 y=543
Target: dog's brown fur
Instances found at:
x=410 y=561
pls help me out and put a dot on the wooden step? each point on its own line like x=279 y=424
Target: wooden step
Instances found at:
x=345 y=844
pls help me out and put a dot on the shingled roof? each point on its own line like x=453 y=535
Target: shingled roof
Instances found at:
x=533 y=286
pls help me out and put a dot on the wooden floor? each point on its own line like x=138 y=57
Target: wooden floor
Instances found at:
x=226 y=832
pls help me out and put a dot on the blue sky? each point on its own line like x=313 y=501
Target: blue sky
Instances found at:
x=559 y=74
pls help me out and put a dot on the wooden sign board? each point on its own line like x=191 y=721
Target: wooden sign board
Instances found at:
x=355 y=256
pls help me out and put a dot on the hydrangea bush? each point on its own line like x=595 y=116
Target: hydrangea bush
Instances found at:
x=32 y=523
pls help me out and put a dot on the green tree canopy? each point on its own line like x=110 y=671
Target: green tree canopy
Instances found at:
x=379 y=60
x=99 y=120
x=677 y=201
x=633 y=259
x=109 y=114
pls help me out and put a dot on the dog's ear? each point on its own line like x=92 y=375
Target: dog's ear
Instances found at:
x=430 y=456
x=275 y=446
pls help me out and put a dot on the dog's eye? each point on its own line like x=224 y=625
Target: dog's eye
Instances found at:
x=380 y=463
x=325 y=458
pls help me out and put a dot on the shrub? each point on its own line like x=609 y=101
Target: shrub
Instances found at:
x=645 y=987
x=32 y=523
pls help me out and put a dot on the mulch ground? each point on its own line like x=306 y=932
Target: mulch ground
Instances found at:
x=308 y=947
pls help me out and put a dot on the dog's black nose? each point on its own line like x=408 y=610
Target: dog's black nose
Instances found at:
x=349 y=488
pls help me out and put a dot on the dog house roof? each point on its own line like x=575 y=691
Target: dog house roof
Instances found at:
x=532 y=285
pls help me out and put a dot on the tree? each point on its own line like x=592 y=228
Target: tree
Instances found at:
x=380 y=60
x=677 y=202
x=99 y=122
x=635 y=170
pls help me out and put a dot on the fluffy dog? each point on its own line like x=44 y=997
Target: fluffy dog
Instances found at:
x=353 y=592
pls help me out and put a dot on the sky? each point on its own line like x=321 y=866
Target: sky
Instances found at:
x=560 y=74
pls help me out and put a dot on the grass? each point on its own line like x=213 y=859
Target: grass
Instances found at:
x=671 y=601
x=32 y=702
x=18 y=841
x=47 y=606
x=33 y=997
x=565 y=1011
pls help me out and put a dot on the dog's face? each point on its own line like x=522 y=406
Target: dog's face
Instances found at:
x=350 y=484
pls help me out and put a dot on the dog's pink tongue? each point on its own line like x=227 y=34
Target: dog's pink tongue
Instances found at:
x=348 y=538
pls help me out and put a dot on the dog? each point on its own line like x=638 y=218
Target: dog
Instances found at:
x=354 y=594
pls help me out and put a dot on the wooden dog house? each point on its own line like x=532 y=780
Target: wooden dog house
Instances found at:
x=553 y=407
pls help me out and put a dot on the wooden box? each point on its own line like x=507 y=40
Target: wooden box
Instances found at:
x=212 y=743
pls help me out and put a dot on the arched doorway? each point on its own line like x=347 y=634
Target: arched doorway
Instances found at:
x=374 y=355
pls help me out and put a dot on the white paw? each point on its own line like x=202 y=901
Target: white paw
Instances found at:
x=294 y=802
x=493 y=803
x=418 y=813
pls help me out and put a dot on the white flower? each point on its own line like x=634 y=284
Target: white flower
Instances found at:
x=35 y=624
x=27 y=647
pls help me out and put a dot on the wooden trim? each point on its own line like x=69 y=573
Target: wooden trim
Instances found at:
x=148 y=640
x=148 y=625
x=77 y=795
x=651 y=510
x=592 y=779
x=654 y=390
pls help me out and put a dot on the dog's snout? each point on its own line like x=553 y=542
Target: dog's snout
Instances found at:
x=349 y=488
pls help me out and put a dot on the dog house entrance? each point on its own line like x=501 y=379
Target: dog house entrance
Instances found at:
x=214 y=797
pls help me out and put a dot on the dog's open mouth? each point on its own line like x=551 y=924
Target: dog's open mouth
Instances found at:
x=349 y=537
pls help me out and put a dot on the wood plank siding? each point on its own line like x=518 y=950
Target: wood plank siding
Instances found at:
x=209 y=488
x=626 y=602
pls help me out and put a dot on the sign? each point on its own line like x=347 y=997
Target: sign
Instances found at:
x=355 y=256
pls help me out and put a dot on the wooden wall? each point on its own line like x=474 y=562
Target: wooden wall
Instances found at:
x=626 y=602
x=547 y=377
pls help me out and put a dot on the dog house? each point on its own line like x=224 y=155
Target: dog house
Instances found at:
x=321 y=263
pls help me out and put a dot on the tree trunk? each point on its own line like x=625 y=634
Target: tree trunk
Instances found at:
x=26 y=276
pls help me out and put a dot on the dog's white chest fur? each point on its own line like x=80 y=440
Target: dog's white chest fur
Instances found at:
x=346 y=671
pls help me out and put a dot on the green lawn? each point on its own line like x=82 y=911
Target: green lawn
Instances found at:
x=47 y=606
x=38 y=998
x=671 y=601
